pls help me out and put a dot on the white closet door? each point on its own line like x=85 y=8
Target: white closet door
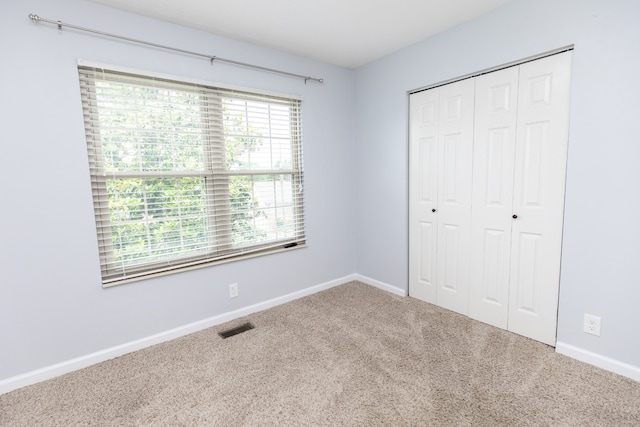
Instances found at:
x=455 y=158
x=540 y=167
x=492 y=200
x=423 y=193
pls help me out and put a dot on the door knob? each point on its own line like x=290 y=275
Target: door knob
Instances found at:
x=433 y=210
x=515 y=216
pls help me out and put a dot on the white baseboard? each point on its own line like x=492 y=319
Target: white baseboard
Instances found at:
x=380 y=285
x=598 y=360
x=65 y=367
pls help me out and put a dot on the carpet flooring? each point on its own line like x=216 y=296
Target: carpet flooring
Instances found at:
x=352 y=355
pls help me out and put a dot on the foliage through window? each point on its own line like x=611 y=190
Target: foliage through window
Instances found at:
x=187 y=174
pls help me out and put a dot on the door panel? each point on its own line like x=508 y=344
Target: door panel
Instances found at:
x=526 y=273
x=538 y=201
x=536 y=138
x=428 y=171
x=451 y=170
x=493 y=169
x=495 y=255
x=450 y=237
x=423 y=193
x=427 y=257
x=499 y=165
x=454 y=194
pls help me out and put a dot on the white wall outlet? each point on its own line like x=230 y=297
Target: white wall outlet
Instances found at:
x=233 y=290
x=592 y=324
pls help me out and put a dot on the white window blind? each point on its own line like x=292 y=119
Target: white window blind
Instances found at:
x=187 y=174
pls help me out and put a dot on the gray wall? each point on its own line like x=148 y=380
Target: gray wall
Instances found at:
x=601 y=254
x=52 y=305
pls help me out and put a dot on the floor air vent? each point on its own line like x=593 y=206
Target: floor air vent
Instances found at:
x=237 y=330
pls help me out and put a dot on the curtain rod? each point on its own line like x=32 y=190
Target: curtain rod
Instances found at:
x=35 y=18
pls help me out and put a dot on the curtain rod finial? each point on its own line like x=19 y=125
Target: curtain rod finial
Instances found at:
x=34 y=17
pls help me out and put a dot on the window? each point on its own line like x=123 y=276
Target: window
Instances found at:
x=187 y=174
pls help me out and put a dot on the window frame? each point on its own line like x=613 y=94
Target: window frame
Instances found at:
x=214 y=176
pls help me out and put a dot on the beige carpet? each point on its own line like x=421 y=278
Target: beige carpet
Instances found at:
x=351 y=355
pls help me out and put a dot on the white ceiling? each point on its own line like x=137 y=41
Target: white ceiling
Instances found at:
x=348 y=33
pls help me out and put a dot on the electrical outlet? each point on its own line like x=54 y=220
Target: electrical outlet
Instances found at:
x=233 y=290
x=592 y=324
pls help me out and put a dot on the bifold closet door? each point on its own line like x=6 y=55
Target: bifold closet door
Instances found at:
x=520 y=152
x=538 y=196
x=441 y=156
x=455 y=159
x=423 y=193
x=492 y=200
x=486 y=195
